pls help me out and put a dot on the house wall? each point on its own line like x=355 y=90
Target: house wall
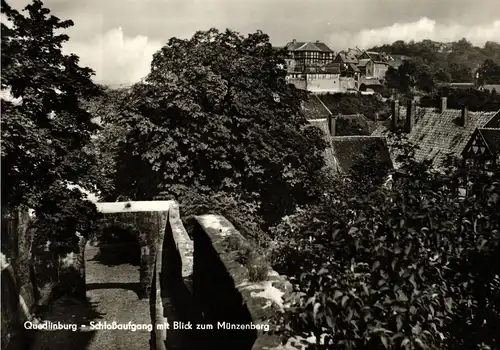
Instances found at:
x=347 y=83
x=318 y=83
x=369 y=69
x=311 y=57
x=299 y=83
x=324 y=85
x=379 y=70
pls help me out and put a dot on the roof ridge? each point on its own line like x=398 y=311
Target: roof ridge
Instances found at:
x=484 y=140
x=303 y=44
x=359 y=136
x=489 y=128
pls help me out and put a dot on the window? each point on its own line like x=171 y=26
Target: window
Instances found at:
x=488 y=164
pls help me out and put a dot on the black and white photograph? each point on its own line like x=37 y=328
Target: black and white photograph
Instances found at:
x=250 y=174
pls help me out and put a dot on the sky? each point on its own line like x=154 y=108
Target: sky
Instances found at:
x=117 y=38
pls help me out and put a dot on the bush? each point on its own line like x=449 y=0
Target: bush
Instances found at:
x=403 y=268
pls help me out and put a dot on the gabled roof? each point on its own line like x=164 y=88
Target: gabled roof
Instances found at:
x=354 y=52
x=491 y=137
x=363 y=62
x=438 y=134
x=343 y=152
x=347 y=57
x=483 y=142
x=368 y=126
x=330 y=160
x=313 y=109
x=349 y=150
x=354 y=67
x=308 y=46
x=377 y=56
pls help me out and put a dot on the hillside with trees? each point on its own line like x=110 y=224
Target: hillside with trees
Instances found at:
x=431 y=63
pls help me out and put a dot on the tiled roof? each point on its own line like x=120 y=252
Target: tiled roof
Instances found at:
x=343 y=152
x=354 y=67
x=368 y=125
x=438 y=134
x=347 y=58
x=376 y=57
x=330 y=68
x=354 y=52
x=330 y=160
x=308 y=46
x=492 y=138
x=363 y=62
x=323 y=47
x=349 y=149
x=314 y=109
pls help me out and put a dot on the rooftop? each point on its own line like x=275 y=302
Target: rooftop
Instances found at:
x=491 y=137
x=349 y=150
x=308 y=46
x=313 y=109
x=439 y=134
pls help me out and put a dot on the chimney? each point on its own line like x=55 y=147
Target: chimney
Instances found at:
x=411 y=111
x=395 y=114
x=464 y=116
x=444 y=102
x=333 y=124
x=294 y=41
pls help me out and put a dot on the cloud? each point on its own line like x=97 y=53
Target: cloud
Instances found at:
x=116 y=58
x=120 y=59
x=424 y=28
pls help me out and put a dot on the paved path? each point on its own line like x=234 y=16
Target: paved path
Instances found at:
x=112 y=295
x=114 y=291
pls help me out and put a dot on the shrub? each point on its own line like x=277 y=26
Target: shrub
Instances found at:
x=403 y=268
x=258 y=268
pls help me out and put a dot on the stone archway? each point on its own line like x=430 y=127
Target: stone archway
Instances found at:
x=118 y=243
x=147 y=220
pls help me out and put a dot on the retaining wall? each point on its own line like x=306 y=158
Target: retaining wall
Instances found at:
x=221 y=291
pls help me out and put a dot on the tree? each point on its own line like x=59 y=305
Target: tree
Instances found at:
x=215 y=112
x=489 y=72
x=460 y=73
x=408 y=267
x=45 y=134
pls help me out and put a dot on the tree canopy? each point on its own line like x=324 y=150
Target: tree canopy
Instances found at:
x=46 y=131
x=215 y=112
x=430 y=63
x=412 y=266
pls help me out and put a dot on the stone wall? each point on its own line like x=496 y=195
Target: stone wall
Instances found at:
x=18 y=294
x=221 y=289
x=147 y=220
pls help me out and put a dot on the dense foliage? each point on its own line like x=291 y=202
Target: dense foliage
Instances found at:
x=430 y=63
x=215 y=113
x=44 y=134
x=369 y=105
x=458 y=60
x=474 y=99
x=411 y=266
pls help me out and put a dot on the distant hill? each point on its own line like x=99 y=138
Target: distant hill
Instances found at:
x=458 y=60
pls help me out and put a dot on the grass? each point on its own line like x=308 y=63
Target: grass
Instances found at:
x=253 y=258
